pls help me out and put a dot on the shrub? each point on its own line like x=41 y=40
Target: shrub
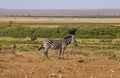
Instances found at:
x=81 y=60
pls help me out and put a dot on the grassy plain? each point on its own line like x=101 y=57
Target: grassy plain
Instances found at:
x=92 y=58
x=55 y=20
x=84 y=45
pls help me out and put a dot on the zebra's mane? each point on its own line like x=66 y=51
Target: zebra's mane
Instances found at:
x=68 y=37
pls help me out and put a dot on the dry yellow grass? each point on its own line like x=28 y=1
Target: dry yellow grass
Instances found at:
x=34 y=20
x=30 y=65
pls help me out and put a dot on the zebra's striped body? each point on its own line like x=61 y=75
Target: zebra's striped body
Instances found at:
x=57 y=44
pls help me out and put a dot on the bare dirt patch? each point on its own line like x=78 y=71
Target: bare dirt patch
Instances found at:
x=30 y=65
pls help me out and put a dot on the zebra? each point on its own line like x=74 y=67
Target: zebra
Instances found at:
x=57 y=45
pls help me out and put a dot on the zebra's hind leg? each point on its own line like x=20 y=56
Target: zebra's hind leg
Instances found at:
x=45 y=54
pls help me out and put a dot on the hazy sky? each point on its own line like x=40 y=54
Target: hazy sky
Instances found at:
x=59 y=4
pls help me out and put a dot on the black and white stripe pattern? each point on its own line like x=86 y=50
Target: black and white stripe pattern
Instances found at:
x=58 y=44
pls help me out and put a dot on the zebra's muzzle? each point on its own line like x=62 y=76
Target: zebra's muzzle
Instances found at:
x=75 y=44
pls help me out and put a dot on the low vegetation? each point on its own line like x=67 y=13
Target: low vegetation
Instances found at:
x=90 y=37
x=81 y=31
x=84 y=45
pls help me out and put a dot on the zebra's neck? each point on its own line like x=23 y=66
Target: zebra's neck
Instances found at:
x=68 y=41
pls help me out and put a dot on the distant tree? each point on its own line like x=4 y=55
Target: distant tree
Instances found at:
x=10 y=22
x=72 y=31
x=17 y=15
x=22 y=15
x=29 y=15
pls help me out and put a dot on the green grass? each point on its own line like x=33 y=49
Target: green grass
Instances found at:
x=81 y=31
x=84 y=45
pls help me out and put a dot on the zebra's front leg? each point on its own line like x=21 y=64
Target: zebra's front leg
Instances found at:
x=62 y=54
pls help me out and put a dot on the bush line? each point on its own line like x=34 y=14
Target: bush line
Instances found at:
x=86 y=31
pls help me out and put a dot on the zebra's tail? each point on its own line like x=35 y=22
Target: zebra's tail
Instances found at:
x=40 y=47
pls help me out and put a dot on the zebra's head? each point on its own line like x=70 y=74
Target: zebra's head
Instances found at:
x=73 y=40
